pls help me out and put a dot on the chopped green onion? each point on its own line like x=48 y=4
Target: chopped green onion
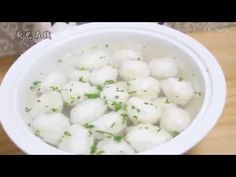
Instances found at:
x=132 y=92
x=93 y=148
x=37 y=132
x=99 y=87
x=54 y=88
x=54 y=110
x=116 y=106
x=175 y=133
x=73 y=99
x=102 y=57
x=92 y=95
x=198 y=93
x=66 y=133
x=81 y=79
x=180 y=79
x=117 y=138
x=167 y=101
x=113 y=124
x=89 y=126
x=100 y=131
x=100 y=152
x=109 y=82
x=35 y=85
x=124 y=118
x=27 y=109
x=82 y=68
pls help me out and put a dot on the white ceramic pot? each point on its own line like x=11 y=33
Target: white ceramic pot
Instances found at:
x=39 y=57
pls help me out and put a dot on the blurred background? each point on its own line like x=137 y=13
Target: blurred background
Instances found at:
x=13 y=43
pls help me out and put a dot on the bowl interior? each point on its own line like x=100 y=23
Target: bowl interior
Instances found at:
x=151 y=47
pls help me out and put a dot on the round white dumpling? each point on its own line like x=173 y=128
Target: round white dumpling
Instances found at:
x=175 y=119
x=87 y=111
x=180 y=92
x=123 y=55
x=146 y=136
x=133 y=69
x=53 y=81
x=76 y=140
x=162 y=68
x=163 y=103
x=78 y=75
x=109 y=146
x=75 y=91
x=110 y=123
x=101 y=75
x=114 y=96
x=50 y=127
x=47 y=103
x=93 y=60
x=142 y=111
x=146 y=87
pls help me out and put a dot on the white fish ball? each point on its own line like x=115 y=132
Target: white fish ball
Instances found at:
x=50 y=127
x=87 y=111
x=74 y=92
x=47 y=103
x=163 y=103
x=110 y=123
x=93 y=60
x=78 y=75
x=147 y=87
x=114 y=96
x=111 y=147
x=54 y=80
x=180 y=92
x=133 y=69
x=142 y=111
x=162 y=68
x=123 y=55
x=76 y=140
x=101 y=75
x=175 y=119
x=146 y=136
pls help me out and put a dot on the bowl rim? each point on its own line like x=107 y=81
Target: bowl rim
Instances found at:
x=216 y=95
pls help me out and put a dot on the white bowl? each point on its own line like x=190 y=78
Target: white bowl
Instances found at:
x=43 y=55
